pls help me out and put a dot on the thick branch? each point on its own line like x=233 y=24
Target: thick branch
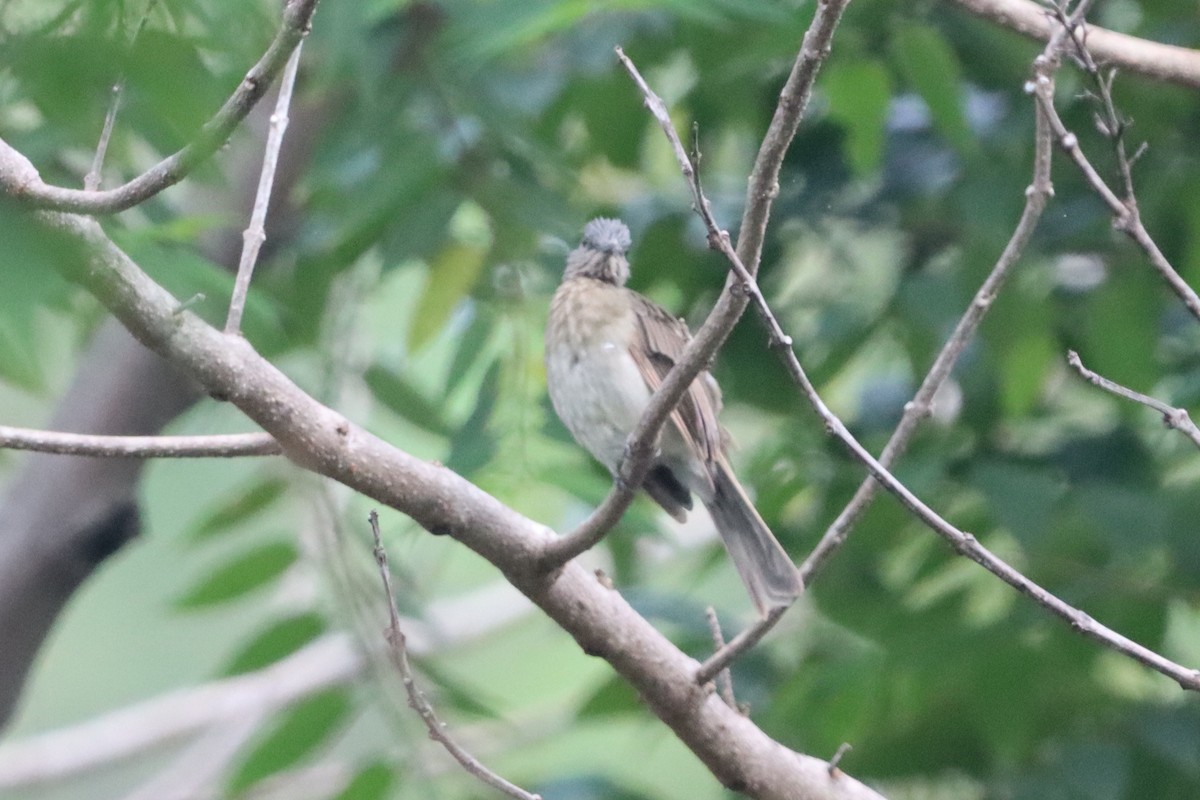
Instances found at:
x=1162 y=61
x=297 y=16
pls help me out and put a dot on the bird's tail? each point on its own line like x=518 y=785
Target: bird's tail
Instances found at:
x=764 y=566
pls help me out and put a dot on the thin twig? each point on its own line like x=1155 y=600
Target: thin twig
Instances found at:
x=1126 y=217
x=724 y=678
x=91 y=181
x=398 y=650
x=709 y=337
x=1174 y=418
x=255 y=233
x=838 y=755
x=744 y=641
x=297 y=16
x=228 y=445
x=763 y=185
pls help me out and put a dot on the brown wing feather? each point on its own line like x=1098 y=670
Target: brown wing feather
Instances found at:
x=662 y=339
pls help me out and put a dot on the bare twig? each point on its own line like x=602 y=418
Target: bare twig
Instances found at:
x=1179 y=65
x=255 y=234
x=91 y=181
x=730 y=305
x=416 y=698
x=30 y=189
x=1174 y=418
x=744 y=641
x=1126 y=217
x=838 y=755
x=763 y=185
x=83 y=444
x=724 y=678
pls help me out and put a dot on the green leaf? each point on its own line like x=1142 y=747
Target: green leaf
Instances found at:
x=933 y=71
x=19 y=364
x=299 y=731
x=255 y=498
x=471 y=345
x=281 y=638
x=30 y=257
x=859 y=92
x=373 y=782
x=474 y=445
x=398 y=393
x=615 y=696
x=245 y=573
x=1026 y=365
x=453 y=274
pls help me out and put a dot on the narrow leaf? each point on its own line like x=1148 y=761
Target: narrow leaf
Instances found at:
x=245 y=573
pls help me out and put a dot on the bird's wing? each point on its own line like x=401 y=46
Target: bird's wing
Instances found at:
x=657 y=346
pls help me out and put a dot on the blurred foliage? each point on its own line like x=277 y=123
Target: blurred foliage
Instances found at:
x=461 y=146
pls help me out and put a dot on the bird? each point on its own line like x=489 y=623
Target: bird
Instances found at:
x=607 y=349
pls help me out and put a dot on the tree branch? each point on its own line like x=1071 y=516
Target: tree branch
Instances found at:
x=1037 y=194
x=1174 y=418
x=1126 y=217
x=398 y=651
x=84 y=444
x=297 y=16
x=1166 y=62
x=256 y=234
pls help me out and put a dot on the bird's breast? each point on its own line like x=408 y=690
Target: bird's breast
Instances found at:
x=594 y=384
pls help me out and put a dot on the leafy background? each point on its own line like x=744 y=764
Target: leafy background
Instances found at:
x=460 y=148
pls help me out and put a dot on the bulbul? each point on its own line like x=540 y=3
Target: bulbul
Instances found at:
x=607 y=349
